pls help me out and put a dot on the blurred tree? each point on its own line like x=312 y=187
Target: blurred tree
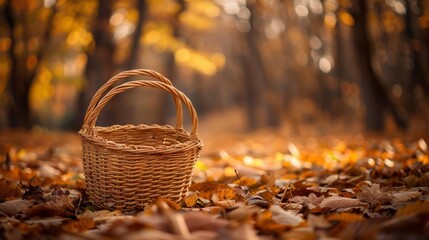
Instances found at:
x=170 y=63
x=102 y=64
x=294 y=59
x=28 y=45
x=376 y=99
x=418 y=78
x=261 y=97
x=254 y=72
x=132 y=59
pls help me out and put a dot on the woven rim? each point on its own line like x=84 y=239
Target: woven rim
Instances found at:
x=105 y=143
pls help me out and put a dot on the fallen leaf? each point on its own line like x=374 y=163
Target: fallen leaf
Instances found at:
x=413 y=208
x=206 y=190
x=243 y=213
x=373 y=194
x=99 y=214
x=403 y=196
x=285 y=217
x=311 y=198
x=9 y=190
x=340 y=202
x=80 y=225
x=222 y=203
x=344 y=217
x=253 y=199
x=61 y=207
x=190 y=199
x=13 y=207
x=318 y=221
x=198 y=221
x=48 y=172
x=34 y=193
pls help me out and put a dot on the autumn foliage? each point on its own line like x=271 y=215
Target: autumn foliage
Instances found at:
x=257 y=188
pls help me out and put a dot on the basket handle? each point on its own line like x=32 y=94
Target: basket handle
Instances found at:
x=91 y=116
x=129 y=73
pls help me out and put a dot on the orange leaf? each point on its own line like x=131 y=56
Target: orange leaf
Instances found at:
x=345 y=217
x=412 y=208
x=80 y=225
x=191 y=199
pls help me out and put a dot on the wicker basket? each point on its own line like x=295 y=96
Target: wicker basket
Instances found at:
x=127 y=166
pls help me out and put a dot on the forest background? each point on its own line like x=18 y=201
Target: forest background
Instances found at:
x=244 y=64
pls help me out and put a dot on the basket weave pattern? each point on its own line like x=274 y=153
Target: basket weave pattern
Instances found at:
x=127 y=166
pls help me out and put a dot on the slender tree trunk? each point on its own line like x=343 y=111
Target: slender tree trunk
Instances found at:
x=21 y=77
x=261 y=96
x=100 y=66
x=339 y=67
x=412 y=32
x=166 y=102
x=375 y=98
x=135 y=45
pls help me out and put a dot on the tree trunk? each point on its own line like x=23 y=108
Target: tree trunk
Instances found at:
x=135 y=45
x=375 y=97
x=166 y=102
x=261 y=96
x=100 y=66
x=21 y=77
x=414 y=39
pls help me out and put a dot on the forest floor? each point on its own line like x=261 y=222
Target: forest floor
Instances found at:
x=260 y=185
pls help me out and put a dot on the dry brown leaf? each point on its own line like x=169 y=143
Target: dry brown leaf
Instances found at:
x=312 y=198
x=285 y=217
x=340 y=202
x=413 y=208
x=266 y=225
x=61 y=207
x=268 y=180
x=206 y=190
x=257 y=200
x=13 y=207
x=244 y=213
x=243 y=231
x=47 y=171
x=403 y=196
x=224 y=203
x=34 y=193
x=373 y=194
x=318 y=221
x=198 y=221
x=9 y=190
x=99 y=214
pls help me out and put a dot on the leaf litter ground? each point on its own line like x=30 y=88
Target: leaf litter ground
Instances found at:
x=261 y=186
